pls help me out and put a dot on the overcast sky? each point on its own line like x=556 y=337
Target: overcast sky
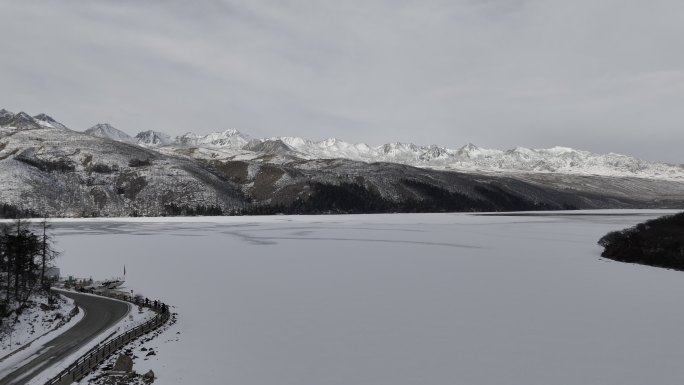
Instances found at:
x=599 y=75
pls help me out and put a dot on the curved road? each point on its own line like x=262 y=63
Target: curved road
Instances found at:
x=100 y=314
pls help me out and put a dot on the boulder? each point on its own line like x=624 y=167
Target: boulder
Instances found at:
x=149 y=377
x=123 y=363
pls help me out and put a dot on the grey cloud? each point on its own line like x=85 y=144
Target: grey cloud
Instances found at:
x=597 y=75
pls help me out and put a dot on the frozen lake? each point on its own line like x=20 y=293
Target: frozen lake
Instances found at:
x=393 y=299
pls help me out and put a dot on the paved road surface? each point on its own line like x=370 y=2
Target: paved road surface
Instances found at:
x=100 y=314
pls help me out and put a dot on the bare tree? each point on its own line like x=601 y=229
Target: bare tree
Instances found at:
x=48 y=253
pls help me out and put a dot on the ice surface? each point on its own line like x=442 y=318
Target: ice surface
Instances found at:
x=393 y=299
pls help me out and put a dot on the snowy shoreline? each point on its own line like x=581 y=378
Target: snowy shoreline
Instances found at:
x=333 y=217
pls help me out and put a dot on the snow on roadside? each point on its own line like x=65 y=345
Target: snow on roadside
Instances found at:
x=134 y=318
x=34 y=322
x=144 y=351
x=11 y=361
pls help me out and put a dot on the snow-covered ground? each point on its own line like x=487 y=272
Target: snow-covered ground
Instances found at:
x=33 y=323
x=392 y=299
x=32 y=329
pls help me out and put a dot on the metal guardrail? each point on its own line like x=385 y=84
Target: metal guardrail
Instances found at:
x=99 y=353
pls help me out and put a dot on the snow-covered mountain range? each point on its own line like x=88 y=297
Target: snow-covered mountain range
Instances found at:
x=232 y=144
x=48 y=169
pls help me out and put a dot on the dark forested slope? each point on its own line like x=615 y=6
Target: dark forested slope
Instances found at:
x=658 y=242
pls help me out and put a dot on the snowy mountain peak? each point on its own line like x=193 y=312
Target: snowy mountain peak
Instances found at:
x=5 y=117
x=231 y=138
x=20 y=121
x=153 y=139
x=294 y=142
x=468 y=148
x=47 y=121
x=520 y=151
x=107 y=131
x=399 y=148
x=24 y=121
x=269 y=146
x=562 y=150
x=433 y=152
x=44 y=116
x=231 y=132
x=102 y=127
x=23 y=116
x=329 y=142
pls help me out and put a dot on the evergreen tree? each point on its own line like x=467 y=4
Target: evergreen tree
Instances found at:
x=24 y=256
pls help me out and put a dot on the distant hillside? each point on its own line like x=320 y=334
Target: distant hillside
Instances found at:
x=658 y=242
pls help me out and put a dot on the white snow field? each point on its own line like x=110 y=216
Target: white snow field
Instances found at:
x=393 y=299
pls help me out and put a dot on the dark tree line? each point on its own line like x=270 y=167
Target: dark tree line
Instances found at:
x=175 y=210
x=24 y=257
x=354 y=198
x=11 y=211
x=345 y=198
x=658 y=242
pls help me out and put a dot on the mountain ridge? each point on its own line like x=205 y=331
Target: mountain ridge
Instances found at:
x=48 y=170
x=107 y=131
x=232 y=144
